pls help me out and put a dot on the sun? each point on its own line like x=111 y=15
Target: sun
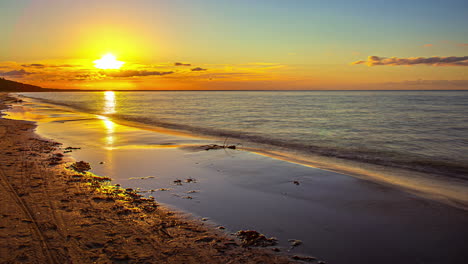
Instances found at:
x=108 y=62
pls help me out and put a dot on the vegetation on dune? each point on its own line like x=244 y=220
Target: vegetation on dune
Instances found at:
x=12 y=86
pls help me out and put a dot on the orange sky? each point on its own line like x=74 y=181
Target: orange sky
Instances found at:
x=229 y=45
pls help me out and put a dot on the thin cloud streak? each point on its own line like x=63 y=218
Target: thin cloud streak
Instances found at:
x=132 y=73
x=16 y=73
x=434 y=61
x=38 y=65
x=198 y=69
x=182 y=64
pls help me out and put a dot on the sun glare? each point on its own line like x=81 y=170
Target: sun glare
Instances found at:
x=109 y=102
x=108 y=62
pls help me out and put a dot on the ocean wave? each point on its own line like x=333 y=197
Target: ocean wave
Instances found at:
x=383 y=157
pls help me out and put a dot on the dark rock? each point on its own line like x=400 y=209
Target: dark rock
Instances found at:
x=71 y=148
x=295 y=242
x=178 y=182
x=304 y=258
x=80 y=166
x=254 y=238
x=204 y=239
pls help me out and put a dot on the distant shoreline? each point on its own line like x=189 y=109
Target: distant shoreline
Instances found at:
x=10 y=86
x=72 y=90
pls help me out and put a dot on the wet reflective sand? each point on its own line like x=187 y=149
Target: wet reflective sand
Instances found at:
x=339 y=218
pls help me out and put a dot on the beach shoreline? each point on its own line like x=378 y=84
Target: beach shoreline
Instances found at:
x=51 y=214
x=428 y=183
x=337 y=217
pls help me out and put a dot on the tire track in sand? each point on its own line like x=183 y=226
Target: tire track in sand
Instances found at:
x=28 y=214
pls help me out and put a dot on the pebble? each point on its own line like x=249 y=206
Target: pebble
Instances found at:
x=295 y=242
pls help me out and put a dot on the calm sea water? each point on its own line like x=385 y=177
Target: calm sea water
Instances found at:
x=424 y=131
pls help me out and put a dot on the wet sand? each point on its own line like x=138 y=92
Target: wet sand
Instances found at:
x=51 y=214
x=339 y=218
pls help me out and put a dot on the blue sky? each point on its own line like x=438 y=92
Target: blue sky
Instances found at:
x=312 y=40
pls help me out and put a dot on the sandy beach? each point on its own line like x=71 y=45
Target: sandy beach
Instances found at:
x=51 y=214
x=220 y=131
x=200 y=193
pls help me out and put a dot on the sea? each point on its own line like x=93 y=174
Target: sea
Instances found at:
x=424 y=131
x=377 y=176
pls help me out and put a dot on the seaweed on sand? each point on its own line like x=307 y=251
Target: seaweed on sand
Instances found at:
x=80 y=166
x=254 y=238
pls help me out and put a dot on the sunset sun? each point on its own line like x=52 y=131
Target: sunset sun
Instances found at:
x=108 y=62
x=223 y=131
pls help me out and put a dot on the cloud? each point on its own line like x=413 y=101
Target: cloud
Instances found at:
x=38 y=65
x=182 y=64
x=132 y=73
x=62 y=66
x=428 y=45
x=198 y=69
x=434 y=61
x=454 y=43
x=15 y=73
x=85 y=77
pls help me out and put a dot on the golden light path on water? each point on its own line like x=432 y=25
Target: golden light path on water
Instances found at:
x=110 y=128
x=109 y=102
x=109 y=108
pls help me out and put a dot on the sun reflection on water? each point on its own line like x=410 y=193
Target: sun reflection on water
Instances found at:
x=109 y=102
x=109 y=126
x=109 y=108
